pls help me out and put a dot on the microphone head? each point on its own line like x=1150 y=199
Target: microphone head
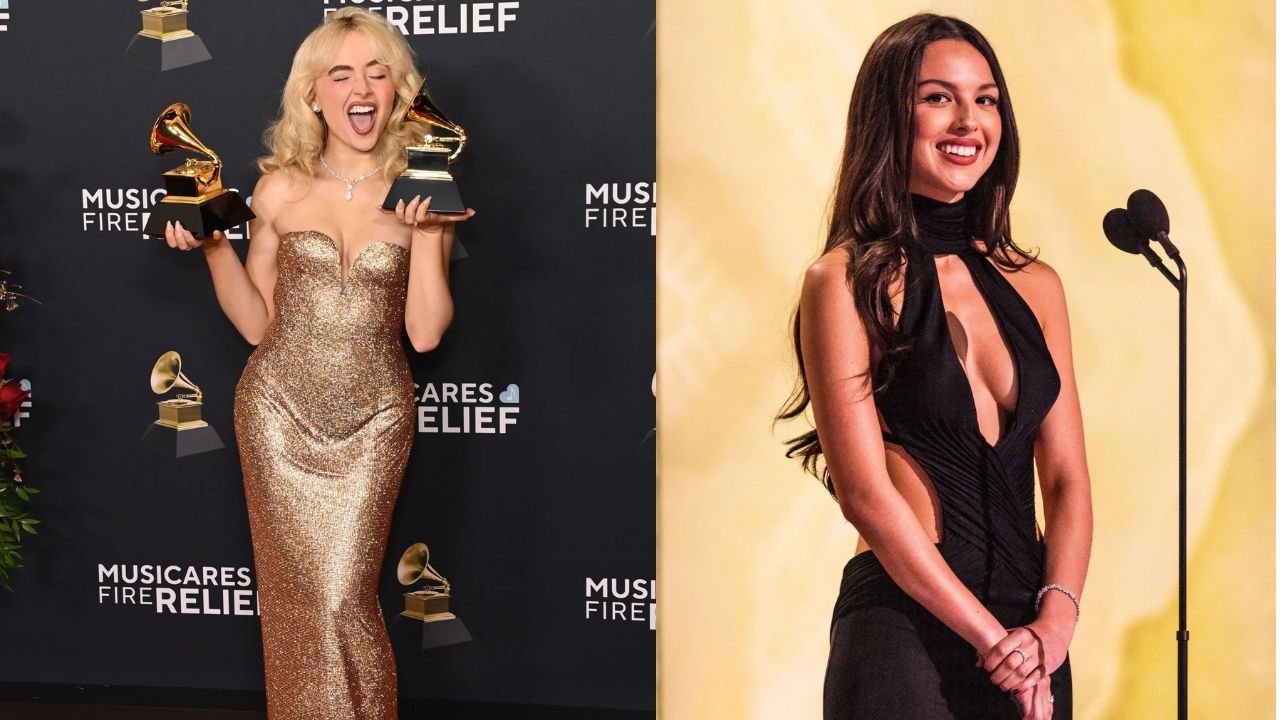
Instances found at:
x=1148 y=214
x=1120 y=231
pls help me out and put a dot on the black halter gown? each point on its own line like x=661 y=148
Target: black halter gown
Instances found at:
x=890 y=658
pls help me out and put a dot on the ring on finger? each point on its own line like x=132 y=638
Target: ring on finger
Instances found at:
x=1019 y=650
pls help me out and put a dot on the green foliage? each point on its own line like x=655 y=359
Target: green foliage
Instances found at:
x=15 y=495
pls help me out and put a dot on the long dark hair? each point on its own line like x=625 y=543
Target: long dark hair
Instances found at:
x=871 y=214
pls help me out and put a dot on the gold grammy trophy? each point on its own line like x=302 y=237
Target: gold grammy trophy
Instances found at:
x=195 y=196
x=427 y=173
x=180 y=430
x=165 y=42
x=429 y=606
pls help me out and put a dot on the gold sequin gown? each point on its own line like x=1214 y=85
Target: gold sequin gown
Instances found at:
x=324 y=421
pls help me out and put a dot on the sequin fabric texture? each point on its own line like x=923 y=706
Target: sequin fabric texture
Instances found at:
x=324 y=421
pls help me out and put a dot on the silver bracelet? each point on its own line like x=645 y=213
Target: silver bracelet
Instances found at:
x=1059 y=588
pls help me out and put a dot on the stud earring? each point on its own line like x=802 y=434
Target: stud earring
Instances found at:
x=315 y=107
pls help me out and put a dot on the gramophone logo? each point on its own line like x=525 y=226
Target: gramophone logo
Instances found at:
x=429 y=617
x=180 y=430
x=431 y=17
x=165 y=42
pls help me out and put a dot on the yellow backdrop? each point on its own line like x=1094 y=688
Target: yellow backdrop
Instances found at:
x=1171 y=96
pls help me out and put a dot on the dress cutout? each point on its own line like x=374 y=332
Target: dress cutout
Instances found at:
x=891 y=658
x=324 y=421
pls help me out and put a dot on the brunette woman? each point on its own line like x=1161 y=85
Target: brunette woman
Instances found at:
x=936 y=356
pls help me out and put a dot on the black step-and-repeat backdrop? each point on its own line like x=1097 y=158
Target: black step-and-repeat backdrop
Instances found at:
x=532 y=478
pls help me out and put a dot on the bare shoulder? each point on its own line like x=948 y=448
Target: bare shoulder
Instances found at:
x=269 y=192
x=833 y=267
x=1040 y=287
x=828 y=275
x=269 y=196
x=276 y=188
x=836 y=260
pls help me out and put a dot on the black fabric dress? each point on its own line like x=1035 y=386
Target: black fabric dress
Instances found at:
x=890 y=658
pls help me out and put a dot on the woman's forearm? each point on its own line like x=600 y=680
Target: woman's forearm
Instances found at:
x=446 y=249
x=886 y=522
x=237 y=295
x=1068 y=538
x=428 y=306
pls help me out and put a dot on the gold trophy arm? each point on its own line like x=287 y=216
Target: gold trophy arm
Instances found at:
x=208 y=172
x=181 y=5
x=429 y=573
x=432 y=140
x=213 y=158
x=184 y=381
x=215 y=175
x=462 y=142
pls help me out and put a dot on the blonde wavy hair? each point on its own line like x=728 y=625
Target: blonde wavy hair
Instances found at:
x=297 y=137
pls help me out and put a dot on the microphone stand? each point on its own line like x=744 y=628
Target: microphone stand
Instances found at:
x=1183 y=635
x=1133 y=236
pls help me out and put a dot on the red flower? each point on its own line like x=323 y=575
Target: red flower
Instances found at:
x=11 y=398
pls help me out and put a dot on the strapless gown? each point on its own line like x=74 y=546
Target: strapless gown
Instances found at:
x=890 y=658
x=324 y=421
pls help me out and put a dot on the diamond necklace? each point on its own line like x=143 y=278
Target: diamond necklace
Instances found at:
x=351 y=184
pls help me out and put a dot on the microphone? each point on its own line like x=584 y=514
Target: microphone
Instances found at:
x=1151 y=219
x=1119 y=228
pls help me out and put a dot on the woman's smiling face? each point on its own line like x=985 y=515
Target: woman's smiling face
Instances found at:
x=355 y=94
x=956 y=110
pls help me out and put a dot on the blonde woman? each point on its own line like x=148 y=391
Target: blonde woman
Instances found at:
x=324 y=409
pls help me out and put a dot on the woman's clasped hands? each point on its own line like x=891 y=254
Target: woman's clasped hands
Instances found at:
x=1020 y=664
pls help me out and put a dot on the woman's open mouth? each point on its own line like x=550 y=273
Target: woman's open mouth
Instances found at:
x=361 y=118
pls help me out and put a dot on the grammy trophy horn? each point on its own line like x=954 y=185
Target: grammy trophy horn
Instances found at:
x=167 y=374
x=424 y=111
x=414 y=566
x=172 y=131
